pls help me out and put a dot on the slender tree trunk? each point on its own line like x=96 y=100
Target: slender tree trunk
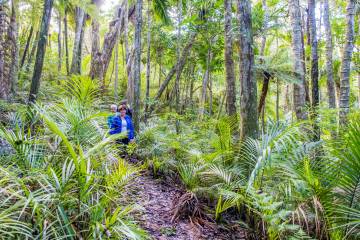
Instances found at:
x=264 y=91
x=40 y=54
x=59 y=44
x=4 y=85
x=305 y=59
x=314 y=67
x=26 y=49
x=346 y=63
x=178 y=73
x=137 y=64
x=32 y=52
x=229 y=61
x=299 y=88
x=204 y=85
x=116 y=62
x=66 y=44
x=329 y=57
x=77 y=49
x=130 y=88
x=266 y=75
x=148 y=60
x=249 y=120
x=13 y=35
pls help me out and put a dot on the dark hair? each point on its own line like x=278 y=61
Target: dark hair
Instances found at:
x=122 y=106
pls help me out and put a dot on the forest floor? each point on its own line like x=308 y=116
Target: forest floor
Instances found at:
x=156 y=198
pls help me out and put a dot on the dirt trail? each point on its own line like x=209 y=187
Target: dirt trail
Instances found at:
x=156 y=197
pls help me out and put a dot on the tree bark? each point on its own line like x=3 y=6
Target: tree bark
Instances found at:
x=116 y=62
x=59 y=44
x=148 y=60
x=66 y=43
x=299 y=88
x=137 y=64
x=4 y=83
x=13 y=33
x=248 y=95
x=314 y=67
x=229 y=61
x=264 y=91
x=26 y=49
x=40 y=54
x=346 y=63
x=77 y=49
x=204 y=85
x=95 y=48
x=329 y=57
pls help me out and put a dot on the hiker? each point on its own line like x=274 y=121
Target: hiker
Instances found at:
x=123 y=123
x=110 y=119
x=128 y=109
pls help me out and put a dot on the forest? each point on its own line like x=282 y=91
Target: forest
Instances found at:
x=242 y=119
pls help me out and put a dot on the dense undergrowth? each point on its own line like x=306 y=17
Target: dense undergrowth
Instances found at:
x=62 y=178
x=280 y=186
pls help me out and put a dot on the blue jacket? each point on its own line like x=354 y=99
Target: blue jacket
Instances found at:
x=115 y=126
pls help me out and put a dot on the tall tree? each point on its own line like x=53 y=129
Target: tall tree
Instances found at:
x=229 y=61
x=148 y=63
x=205 y=83
x=59 y=43
x=248 y=95
x=40 y=54
x=329 y=56
x=297 y=45
x=79 y=32
x=314 y=65
x=4 y=84
x=27 y=45
x=137 y=63
x=346 y=63
x=13 y=33
x=95 y=41
x=66 y=38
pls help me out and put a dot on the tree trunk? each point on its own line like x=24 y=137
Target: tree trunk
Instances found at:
x=346 y=62
x=299 y=88
x=4 y=84
x=13 y=33
x=264 y=92
x=116 y=62
x=178 y=71
x=329 y=57
x=137 y=64
x=248 y=95
x=266 y=75
x=40 y=54
x=204 y=85
x=26 y=49
x=59 y=44
x=66 y=44
x=32 y=52
x=148 y=60
x=229 y=61
x=130 y=89
x=304 y=28
x=95 y=48
x=79 y=31
x=314 y=67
